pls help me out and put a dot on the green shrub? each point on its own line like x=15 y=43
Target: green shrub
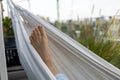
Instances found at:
x=7 y=26
x=107 y=49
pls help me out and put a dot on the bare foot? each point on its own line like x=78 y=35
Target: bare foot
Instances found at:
x=39 y=41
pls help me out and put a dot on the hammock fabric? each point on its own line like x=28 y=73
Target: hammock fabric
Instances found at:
x=3 y=69
x=70 y=57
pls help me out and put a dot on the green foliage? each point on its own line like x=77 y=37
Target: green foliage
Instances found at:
x=91 y=37
x=7 y=26
x=107 y=49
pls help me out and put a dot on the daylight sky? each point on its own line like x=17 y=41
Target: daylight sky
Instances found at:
x=69 y=9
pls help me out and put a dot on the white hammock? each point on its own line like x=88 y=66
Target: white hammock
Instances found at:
x=70 y=57
x=3 y=69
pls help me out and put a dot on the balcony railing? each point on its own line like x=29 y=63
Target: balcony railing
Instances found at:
x=12 y=57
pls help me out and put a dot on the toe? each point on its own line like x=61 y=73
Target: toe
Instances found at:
x=42 y=31
x=38 y=32
x=34 y=34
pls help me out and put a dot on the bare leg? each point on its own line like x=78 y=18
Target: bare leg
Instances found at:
x=39 y=41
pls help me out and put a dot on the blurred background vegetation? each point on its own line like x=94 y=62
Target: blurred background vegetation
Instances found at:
x=100 y=35
x=7 y=27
